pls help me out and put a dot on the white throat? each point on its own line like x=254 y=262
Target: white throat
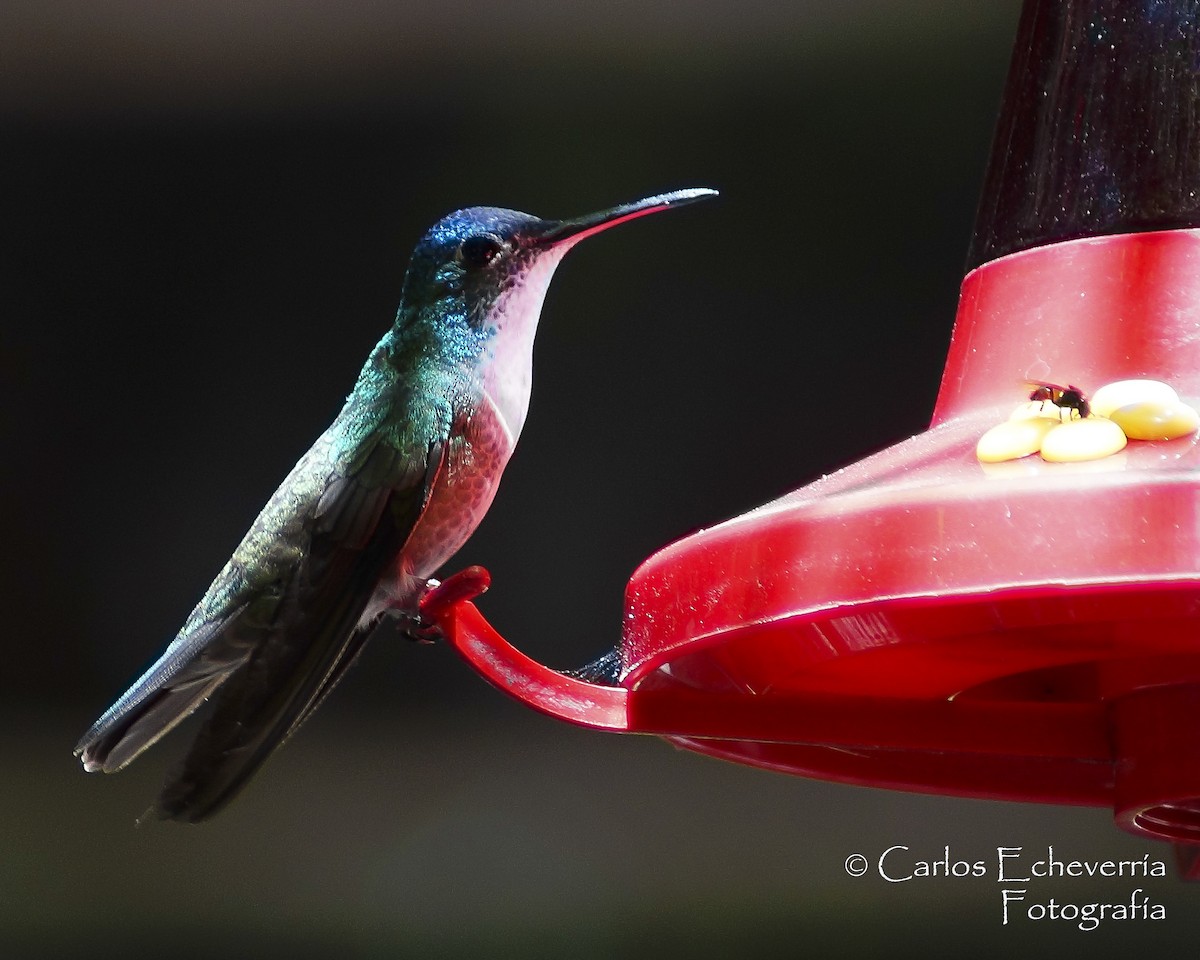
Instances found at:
x=508 y=374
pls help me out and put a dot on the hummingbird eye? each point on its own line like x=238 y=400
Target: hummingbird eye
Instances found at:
x=479 y=251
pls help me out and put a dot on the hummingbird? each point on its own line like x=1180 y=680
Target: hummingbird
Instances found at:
x=386 y=495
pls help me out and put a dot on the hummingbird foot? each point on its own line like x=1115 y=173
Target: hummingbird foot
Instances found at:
x=424 y=625
x=417 y=629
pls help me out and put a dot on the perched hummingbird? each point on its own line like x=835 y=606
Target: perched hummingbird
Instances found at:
x=386 y=495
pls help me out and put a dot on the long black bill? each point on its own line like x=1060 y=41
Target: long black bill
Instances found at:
x=559 y=231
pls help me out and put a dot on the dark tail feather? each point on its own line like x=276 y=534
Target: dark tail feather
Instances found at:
x=286 y=676
x=257 y=710
x=192 y=667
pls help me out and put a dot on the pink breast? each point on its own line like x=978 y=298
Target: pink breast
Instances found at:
x=462 y=492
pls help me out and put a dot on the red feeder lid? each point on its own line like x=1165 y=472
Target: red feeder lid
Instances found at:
x=922 y=621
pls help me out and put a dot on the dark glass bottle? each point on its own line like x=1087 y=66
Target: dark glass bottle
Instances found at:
x=1099 y=129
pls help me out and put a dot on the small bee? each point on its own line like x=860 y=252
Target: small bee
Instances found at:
x=1069 y=397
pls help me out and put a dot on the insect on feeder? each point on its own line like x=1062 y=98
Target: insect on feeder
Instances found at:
x=920 y=620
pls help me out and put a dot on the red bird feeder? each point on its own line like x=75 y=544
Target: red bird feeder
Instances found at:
x=922 y=621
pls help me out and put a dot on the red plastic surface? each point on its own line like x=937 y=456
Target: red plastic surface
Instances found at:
x=921 y=621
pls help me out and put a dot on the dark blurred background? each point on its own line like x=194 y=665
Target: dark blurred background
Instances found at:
x=207 y=211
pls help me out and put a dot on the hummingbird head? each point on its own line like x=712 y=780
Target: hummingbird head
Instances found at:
x=479 y=276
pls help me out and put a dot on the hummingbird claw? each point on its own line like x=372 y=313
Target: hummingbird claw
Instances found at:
x=424 y=624
x=412 y=625
x=423 y=631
